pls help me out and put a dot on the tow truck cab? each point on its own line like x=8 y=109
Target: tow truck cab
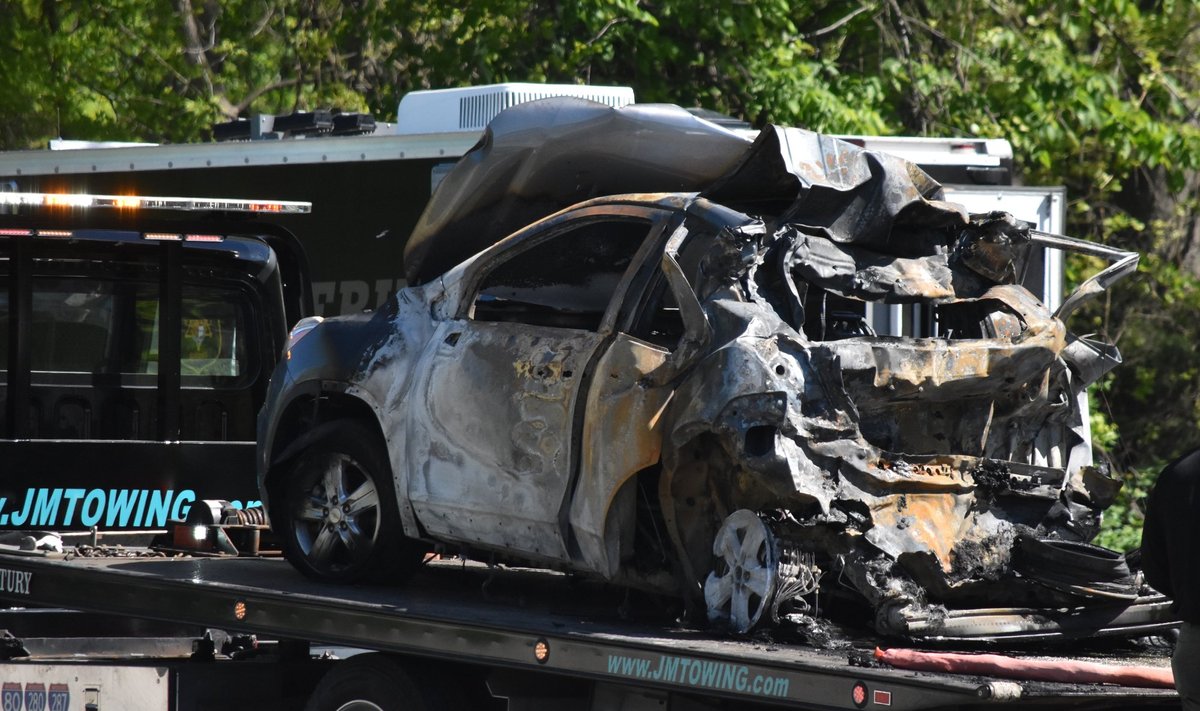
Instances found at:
x=105 y=421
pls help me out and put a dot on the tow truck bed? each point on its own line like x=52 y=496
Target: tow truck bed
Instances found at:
x=513 y=619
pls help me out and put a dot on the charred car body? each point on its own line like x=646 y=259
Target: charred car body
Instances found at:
x=674 y=386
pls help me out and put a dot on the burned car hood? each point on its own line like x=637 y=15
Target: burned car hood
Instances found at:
x=912 y=464
x=539 y=157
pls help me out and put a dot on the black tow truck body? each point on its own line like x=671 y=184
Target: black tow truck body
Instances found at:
x=103 y=423
x=473 y=637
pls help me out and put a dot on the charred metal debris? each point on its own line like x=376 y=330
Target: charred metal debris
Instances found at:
x=905 y=471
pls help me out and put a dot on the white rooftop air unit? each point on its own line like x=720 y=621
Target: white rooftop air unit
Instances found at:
x=471 y=108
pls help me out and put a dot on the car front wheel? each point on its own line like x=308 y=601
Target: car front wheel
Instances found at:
x=339 y=514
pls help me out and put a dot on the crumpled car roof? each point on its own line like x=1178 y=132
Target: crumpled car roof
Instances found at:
x=540 y=157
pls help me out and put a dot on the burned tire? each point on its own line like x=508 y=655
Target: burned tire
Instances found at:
x=1080 y=569
x=378 y=682
x=338 y=519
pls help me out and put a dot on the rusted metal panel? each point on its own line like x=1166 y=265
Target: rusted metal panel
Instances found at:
x=927 y=454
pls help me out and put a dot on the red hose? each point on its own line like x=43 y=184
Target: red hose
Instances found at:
x=1065 y=670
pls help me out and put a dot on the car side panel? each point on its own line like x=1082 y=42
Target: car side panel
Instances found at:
x=490 y=434
x=389 y=373
x=622 y=434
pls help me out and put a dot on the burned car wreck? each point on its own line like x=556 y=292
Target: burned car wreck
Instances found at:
x=639 y=347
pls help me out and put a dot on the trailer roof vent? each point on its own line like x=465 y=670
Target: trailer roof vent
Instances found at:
x=353 y=124
x=471 y=108
x=299 y=124
x=304 y=123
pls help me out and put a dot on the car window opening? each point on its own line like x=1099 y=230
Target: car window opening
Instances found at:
x=829 y=317
x=659 y=321
x=566 y=281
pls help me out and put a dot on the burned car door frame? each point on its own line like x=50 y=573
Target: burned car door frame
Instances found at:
x=662 y=331
x=512 y=368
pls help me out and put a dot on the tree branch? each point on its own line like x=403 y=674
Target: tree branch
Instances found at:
x=604 y=30
x=253 y=95
x=833 y=28
x=1142 y=67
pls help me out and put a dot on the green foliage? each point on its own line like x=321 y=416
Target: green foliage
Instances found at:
x=166 y=72
x=1121 y=528
x=1155 y=394
x=1097 y=95
x=1105 y=436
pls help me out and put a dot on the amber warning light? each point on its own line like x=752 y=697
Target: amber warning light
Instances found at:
x=541 y=651
x=145 y=202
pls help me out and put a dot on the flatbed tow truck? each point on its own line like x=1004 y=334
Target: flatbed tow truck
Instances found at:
x=103 y=627
x=459 y=635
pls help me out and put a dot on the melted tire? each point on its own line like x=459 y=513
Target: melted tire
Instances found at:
x=1080 y=569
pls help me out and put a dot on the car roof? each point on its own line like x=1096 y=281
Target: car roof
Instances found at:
x=542 y=156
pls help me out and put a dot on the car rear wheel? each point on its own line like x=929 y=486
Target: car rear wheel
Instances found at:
x=339 y=514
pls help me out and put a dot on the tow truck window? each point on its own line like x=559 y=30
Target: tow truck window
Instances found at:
x=102 y=327
x=94 y=358
x=213 y=340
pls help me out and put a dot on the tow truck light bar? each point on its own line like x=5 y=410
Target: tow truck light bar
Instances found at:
x=144 y=202
x=176 y=237
x=22 y=232
x=154 y=236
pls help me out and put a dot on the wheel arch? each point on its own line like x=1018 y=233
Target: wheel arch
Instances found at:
x=335 y=469
x=308 y=418
x=693 y=503
x=395 y=682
